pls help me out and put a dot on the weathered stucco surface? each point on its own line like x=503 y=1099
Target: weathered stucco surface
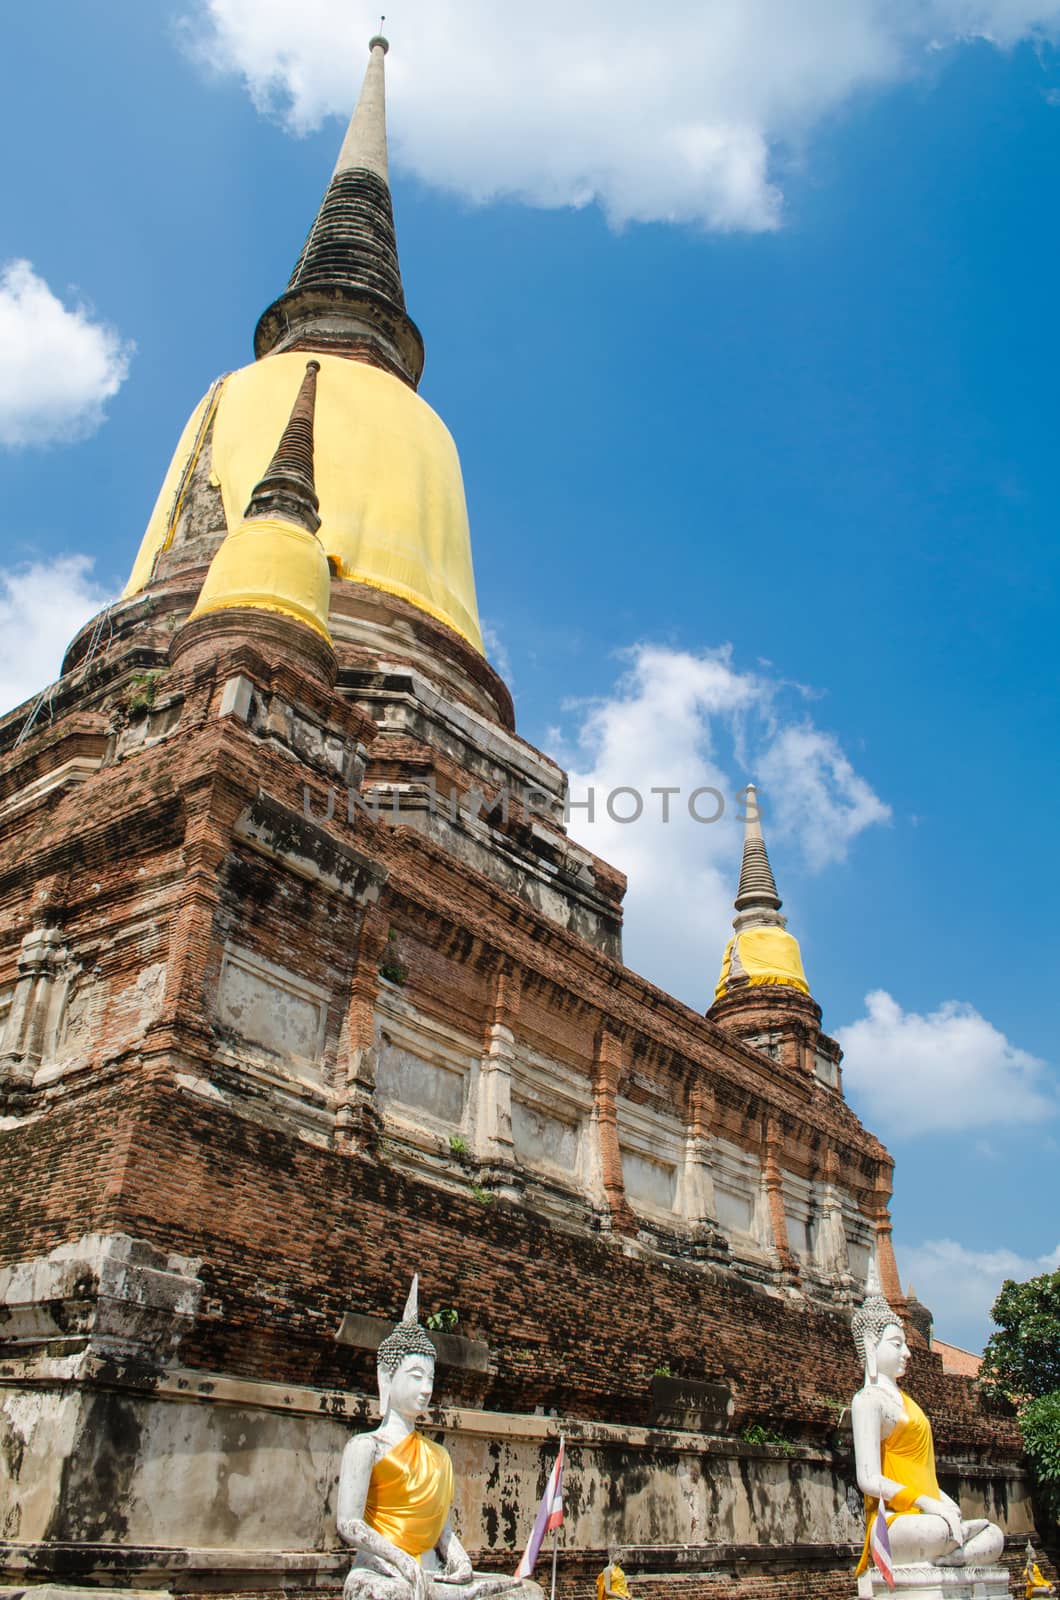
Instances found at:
x=252 y=1467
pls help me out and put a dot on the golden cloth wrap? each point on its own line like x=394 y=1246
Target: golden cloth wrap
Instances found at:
x=1037 y=1582
x=908 y=1458
x=409 y=1494
x=387 y=473
x=612 y=1578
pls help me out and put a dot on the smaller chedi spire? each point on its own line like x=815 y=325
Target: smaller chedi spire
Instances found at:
x=273 y=560
x=761 y=950
x=762 y=996
x=287 y=489
x=345 y=294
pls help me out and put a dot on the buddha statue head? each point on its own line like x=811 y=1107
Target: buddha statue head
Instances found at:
x=878 y=1333
x=405 y=1363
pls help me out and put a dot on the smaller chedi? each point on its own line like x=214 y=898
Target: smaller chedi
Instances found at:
x=931 y=1549
x=396 y=1491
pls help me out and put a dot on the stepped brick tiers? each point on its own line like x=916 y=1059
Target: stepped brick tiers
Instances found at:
x=305 y=987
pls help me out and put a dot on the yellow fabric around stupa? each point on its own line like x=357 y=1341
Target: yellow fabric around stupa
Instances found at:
x=906 y=1457
x=767 y=955
x=387 y=474
x=270 y=565
x=409 y=1494
x=167 y=505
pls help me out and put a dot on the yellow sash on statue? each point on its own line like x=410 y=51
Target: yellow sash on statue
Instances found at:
x=908 y=1458
x=409 y=1494
x=612 y=1578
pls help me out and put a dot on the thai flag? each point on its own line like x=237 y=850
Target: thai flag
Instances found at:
x=549 y=1516
x=880 y=1545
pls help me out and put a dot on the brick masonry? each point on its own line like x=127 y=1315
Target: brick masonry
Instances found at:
x=200 y=958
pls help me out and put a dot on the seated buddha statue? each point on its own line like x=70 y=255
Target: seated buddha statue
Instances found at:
x=611 y=1584
x=1034 y=1579
x=895 y=1458
x=396 y=1491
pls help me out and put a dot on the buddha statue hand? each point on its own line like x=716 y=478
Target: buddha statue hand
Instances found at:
x=457 y=1571
x=383 y=1559
x=456 y=1566
x=948 y=1510
x=417 y=1580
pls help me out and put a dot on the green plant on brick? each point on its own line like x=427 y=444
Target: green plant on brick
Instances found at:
x=391 y=966
x=143 y=686
x=755 y=1433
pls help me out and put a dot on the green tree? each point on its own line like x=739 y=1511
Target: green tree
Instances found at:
x=1021 y=1364
x=1040 y=1426
x=1021 y=1361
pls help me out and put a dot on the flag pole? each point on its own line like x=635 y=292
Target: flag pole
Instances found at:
x=555 y=1533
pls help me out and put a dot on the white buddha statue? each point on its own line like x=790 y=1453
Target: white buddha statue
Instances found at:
x=396 y=1491
x=895 y=1459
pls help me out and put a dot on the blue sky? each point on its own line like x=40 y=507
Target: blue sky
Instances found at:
x=763 y=492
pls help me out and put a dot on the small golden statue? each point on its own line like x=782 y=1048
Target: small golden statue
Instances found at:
x=611 y=1584
x=1036 y=1581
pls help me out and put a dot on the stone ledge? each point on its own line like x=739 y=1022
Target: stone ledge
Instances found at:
x=671 y=1560
x=689 y=1403
x=56 y=1591
x=158 y=1572
x=301 y=845
x=189 y=1385
x=926 y=1582
x=368 y=1333
x=108 y=1293
x=161 y=1571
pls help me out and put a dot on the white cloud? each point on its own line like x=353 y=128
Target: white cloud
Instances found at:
x=818 y=795
x=497 y=652
x=688 y=116
x=57 y=365
x=691 y=721
x=41 y=608
x=950 y=1070
x=959 y=1286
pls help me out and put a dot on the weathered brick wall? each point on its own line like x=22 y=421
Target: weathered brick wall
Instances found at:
x=62 y=1174
x=814 y=1585
x=143 y=864
x=291 y=1236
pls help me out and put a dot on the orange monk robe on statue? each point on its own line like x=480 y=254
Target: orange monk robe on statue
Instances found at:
x=907 y=1457
x=410 y=1493
x=612 y=1582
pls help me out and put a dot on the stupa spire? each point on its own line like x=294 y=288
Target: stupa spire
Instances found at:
x=365 y=143
x=345 y=295
x=757 y=889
